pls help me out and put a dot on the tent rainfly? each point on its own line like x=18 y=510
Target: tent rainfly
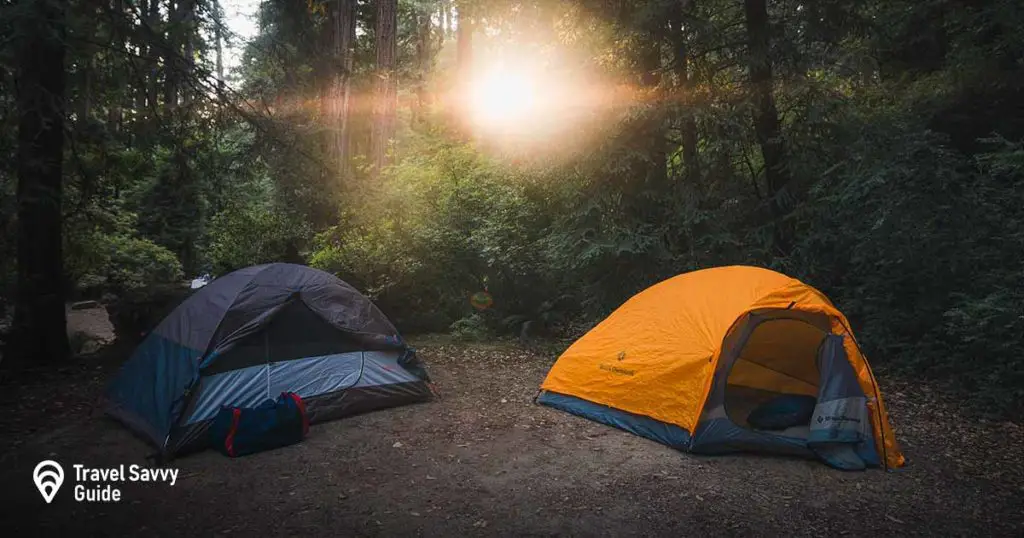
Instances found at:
x=730 y=359
x=251 y=335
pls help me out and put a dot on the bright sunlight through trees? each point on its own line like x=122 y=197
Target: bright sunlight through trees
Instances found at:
x=504 y=97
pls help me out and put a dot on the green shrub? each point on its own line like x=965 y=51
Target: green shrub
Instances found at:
x=103 y=254
x=241 y=236
x=470 y=328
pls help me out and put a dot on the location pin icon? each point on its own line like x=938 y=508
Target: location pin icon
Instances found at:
x=48 y=477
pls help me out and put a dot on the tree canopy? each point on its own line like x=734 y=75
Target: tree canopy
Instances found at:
x=557 y=157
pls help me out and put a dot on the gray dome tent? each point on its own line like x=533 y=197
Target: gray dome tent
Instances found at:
x=252 y=334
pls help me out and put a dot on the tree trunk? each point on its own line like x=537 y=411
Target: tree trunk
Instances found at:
x=114 y=111
x=463 y=66
x=188 y=38
x=40 y=326
x=325 y=86
x=464 y=43
x=385 y=103
x=218 y=36
x=152 y=80
x=650 y=62
x=140 y=68
x=766 y=117
x=424 y=53
x=688 y=128
x=446 y=20
x=85 y=94
x=172 y=56
x=337 y=85
x=687 y=119
x=347 y=39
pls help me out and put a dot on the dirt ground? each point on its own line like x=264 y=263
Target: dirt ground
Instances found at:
x=484 y=460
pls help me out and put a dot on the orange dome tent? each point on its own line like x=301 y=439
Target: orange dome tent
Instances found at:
x=690 y=361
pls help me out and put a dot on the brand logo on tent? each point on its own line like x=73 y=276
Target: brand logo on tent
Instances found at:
x=840 y=418
x=616 y=370
x=48 y=476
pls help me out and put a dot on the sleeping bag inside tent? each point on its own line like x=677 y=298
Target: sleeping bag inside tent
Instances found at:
x=730 y=359
x=253 y=334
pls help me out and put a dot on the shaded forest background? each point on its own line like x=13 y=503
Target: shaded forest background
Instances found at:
x=870 y=148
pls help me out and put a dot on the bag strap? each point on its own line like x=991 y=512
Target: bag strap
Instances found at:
x=229 y=441
x=302 y=411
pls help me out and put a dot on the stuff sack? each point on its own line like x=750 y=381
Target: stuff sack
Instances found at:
x=240 y=431
x=783 y=412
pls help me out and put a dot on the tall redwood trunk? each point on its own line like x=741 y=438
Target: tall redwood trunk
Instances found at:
x=343 y=24
x=767 y=126
x=464 y=42
x=188 y=41
x=687 y=118
x=115 y=113
x=442 y=22
x=650 y=78
x=39 y=322
x=385 y=103
x=463 y=64
x=152 y=80
x=87 y=73
x=424 y=55
x=172 y=56
x=218 y=37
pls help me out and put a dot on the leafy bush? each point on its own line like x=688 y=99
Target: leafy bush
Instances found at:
x=470 y=328
x=136 y=262
x=104 y=254
x=241 y=236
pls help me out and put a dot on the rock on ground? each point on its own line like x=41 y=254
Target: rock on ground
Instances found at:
x=89 y=327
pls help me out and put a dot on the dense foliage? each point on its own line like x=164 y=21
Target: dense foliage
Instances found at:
x=872 y=149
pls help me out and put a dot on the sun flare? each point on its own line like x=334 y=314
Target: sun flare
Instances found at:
x=503 y=97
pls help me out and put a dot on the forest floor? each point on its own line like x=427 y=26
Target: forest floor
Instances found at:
x=484 y=460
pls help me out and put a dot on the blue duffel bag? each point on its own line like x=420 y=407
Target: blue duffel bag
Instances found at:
x=240 y=431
